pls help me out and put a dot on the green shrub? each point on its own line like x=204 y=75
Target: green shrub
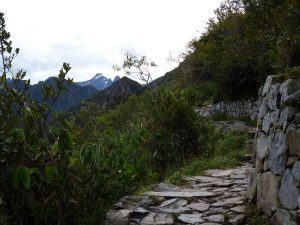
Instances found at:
x=38 y=182
x=170 y=122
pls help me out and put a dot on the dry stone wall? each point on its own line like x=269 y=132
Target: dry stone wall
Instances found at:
x=248 y=108
x=237 y=108
x=275 y=187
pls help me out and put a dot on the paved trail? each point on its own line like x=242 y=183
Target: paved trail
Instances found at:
x=216 y=198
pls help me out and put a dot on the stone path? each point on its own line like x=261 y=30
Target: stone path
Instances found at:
x=215 y=198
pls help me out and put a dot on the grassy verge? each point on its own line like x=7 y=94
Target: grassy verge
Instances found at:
x=255 y=217
x=223 y=150
x=225 y=117
x=227 y=150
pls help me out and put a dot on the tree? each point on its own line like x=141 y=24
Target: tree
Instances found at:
x=35 y=175
x=136 y=66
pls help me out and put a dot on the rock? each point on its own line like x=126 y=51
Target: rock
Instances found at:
x=286 y=116
x=290 y=161
x=293 y=139
x=223 y=173
x=288 y=192
x=210 y=224
x=288 y=88
x=153 y=218
x=132 y=202
x=237 y=189
x=262 y=145
x=267 y=192
x=293 y=100
x=191 y=218
x=282 y=217
x=182 y=194
x=171 y=210
x=218 y=210
x=219 y=218
x=168 y=202
x=266 y=123
x=267 y=85
x=201 y=207
x=272 y=97
x=278 y=154
x=275 y=116
x=178 y=206
x=238 y=209
x=263 y=109
x=252 y=187
x=202 y=179
x=117 y=217
x=266 y=166
x=220 y=189
x=237 y=220
x=191 y=203
x=229 y=202
x=296 y=171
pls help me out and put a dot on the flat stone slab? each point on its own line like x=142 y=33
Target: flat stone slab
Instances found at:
x=214 y=199
x=238 y=209
x=219 y=218
x=181 y=194
x=152 y=218
x=191 y=218
x=201 y=207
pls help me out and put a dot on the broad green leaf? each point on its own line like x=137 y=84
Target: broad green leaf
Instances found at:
x=19 y=134
x=34 y=170
x=21 y=175
x=65 y=141
x=49 y=173
x=16 y=179
x=24 y=176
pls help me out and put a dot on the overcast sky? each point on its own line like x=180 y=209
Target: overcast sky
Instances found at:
x=93 y=35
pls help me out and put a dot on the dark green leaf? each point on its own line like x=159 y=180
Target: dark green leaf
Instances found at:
x=65 y=141
x=24 y=176
x=49 y=173
x=21 y=175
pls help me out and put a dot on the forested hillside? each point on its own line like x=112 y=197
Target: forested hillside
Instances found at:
x=245 y=42
x=72 y=168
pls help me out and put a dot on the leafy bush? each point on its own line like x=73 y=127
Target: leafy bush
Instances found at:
x=170 y=122
x=37 y=180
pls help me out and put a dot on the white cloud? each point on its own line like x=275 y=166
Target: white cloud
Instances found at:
x=92 y=35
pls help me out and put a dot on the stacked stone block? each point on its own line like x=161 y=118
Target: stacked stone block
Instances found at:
x=276 y=185
x=237 y=108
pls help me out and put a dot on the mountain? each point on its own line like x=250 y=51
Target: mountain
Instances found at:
x=67 y=99
x=99 y=81
x=116 y=93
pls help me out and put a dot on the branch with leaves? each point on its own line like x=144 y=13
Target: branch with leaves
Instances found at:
x=137 y=67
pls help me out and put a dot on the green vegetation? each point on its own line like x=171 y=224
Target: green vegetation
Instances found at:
x=225 y=117
x=254 y=216
x=246 y=41
x=224 y=151
x=57 y=169
x=289 y=73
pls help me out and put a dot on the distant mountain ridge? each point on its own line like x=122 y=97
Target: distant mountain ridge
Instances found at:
x=99 y=81
x=119 y=91
x=74 y=94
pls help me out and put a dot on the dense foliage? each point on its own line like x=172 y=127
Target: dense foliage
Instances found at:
x=246 y=41
x=47 y=178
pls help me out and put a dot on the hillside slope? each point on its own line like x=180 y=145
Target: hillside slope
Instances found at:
x=116 y=93
x=74 y=94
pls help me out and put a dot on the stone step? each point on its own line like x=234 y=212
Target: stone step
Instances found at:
x=213 y=199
